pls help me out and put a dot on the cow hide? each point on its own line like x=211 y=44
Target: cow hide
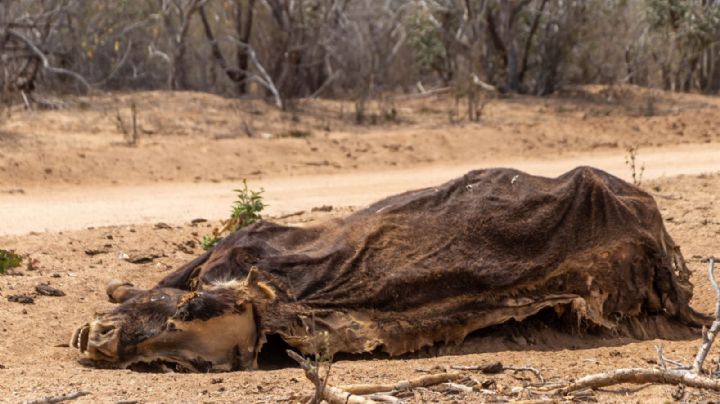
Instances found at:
x=436 y=264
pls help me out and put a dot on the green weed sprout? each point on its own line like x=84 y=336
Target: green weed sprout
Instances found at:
x=245 y=211
x=8 y=260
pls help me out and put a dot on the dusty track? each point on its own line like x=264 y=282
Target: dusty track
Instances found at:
x=58 y=209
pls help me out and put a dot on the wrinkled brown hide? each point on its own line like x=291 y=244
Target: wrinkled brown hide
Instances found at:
x=438 y=263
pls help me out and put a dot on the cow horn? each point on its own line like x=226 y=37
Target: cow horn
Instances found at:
x=252 y=280
x=252 y=277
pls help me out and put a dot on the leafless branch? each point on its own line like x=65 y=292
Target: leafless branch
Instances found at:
x=45 y=62
x=59 y=399
x=423 y=381
x=709 y=336
x=333 y=395
x=641 y=376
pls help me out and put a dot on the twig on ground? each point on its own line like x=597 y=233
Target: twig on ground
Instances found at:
x=662 y=360
x=709 y=336
x=458 y=388
x=323 y=391
x=534 y=371
x=58 y=399
x=498 y=367
x=387 y=398
x=641 y=376
x=423 y=381
x=495 y=367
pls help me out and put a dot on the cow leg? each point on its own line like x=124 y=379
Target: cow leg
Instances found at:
x=119 y=291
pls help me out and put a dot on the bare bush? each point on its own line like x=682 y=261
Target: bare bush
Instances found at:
x=361 y=49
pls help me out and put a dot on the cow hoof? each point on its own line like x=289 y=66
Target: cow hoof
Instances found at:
x=114 y=286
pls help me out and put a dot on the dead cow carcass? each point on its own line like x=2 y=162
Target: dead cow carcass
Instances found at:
x=411 y=270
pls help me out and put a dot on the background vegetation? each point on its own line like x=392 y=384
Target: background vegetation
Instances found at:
x=358 y=49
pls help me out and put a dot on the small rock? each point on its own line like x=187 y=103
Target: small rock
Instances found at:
x=140 y=257
x=97 y=250
x=324 y=208
x=492 y=368
x=216 y=380
x=186 y=248
x=198 y=220
x=47 y=290
x=162 y=225
x=22 y=299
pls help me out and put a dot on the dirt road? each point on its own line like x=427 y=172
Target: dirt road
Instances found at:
x=59 y=209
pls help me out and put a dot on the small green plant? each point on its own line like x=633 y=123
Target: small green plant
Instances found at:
x=9 y=260
x=209 y=241
x=245 y=211
x=631 y=161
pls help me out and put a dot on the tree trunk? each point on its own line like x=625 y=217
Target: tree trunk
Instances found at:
x=243 y=27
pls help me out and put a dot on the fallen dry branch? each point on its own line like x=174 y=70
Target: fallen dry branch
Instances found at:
x=641 y=376
x=492 y=368
x=498 y=367
x=58 y=399
x=534 y=371
x=685 y=376
x=458 y=388
x=383 y=398
x=334 y=395
x=424 y=381
x=354 y=394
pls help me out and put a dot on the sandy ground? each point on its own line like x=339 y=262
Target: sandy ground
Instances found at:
x=190 y=137
x=112 y=188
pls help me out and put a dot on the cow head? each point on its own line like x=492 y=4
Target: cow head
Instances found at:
x=212 y=329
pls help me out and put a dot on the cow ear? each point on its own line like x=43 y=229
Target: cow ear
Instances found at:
x=253 y=282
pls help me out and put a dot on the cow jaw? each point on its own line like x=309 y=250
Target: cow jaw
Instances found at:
x=221 y=343
x=98 y=339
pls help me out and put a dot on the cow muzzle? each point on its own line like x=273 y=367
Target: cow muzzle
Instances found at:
x=98 y=340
